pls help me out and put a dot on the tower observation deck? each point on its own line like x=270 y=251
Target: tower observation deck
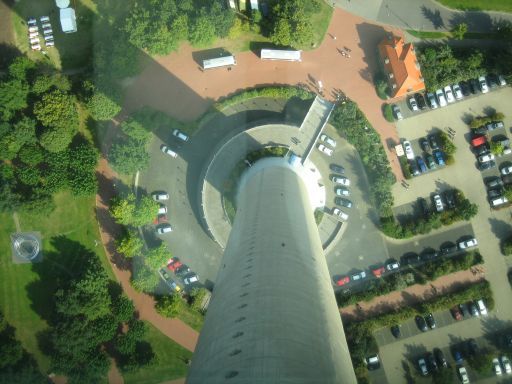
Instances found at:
x=273 y=316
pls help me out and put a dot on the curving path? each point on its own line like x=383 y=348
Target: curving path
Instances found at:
x=175 y=83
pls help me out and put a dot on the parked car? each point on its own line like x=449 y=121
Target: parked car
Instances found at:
x=501 y=80
x=160 y=196
x=439 y=157
x=487 y=165
x=433 y=141
x=457 y=92
x=430 y=321
x=421 y=164
x=494 y=125
x=464 y=309
x=493 y=182
x=341 y=180
x=421 y=323
x=337 y=168
x=160 y=219
x=449 y=94
x=505 y=362
x=497 y=367
x=431 y=163
x=429 y=255
x=482 y=149
x=342 y=191
x=191 y=279
x=324 y=149
x=479 y=131
x=396 y=111
x=180 y=135
x=412 y=104
x=408 y=150
x=420 y=100
x=481 y=307
x=492 y=81
x=432 y=100
x=164 y=228
x=396 y=331
x=463 y=374
x=464 y=86
x=422 y=364
x=378 y=271
x=328 y=140
x=173 y=264
x=438 y=202
x=341 y=280
x=165 y=149
x=499 y=201
x=441 y=359
x=448 y=248
x=424 y=144
x=457 y=315
x=169 y=281
x=478 y=140
x=410 y=259
x=373 y=362
x=485 y=158
x=162 y=209
x=474 y=86
x=343 y=202
x=473 y=309
x=507 y=170
x=441 y=98
x=392 y=265
x=495 y=193
x=483 y=84
x=358 y=276
x=182 y=270
x=431 y=361
x=339 y=214
x=470 y=243
x=457 y=356
x=415 y=171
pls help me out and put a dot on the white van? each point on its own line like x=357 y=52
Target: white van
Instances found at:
x=499 y=201
x=481 y=307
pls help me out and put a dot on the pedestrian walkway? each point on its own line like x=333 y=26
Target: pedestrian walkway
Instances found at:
x=311 y=127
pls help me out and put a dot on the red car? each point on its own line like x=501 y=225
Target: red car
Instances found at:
x=377 y=272
x=342 y=280
x=174 y=264
x=456 y=313
x=160 y=219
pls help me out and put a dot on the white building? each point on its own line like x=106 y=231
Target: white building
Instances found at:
x=68 y=20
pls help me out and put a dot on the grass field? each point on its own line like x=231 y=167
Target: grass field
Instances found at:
x=192 y=318
x=170 y=365
x=479 y=5
x=73 y=218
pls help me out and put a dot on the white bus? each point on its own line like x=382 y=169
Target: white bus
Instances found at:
x=219 y=62
x=277 y=54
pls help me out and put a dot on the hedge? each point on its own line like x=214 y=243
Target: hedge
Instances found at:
x=352 y=124
x=411 y=275
x=388 y=113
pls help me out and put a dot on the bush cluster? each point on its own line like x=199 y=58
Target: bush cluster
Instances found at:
x=410 y=275
x=479 y=121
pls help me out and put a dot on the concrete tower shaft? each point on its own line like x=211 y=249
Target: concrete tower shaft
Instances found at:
x=273 y=317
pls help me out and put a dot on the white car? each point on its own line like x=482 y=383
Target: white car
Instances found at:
x=160 y=196
x=412 y=104
x=162 y=209
x=397 y=112
x=501 y=80
x=422 y=364
x=328 y=140
x=358 y=276
x=506 y=364
x=506 y=170
x=165 y=149
x=439 y=203
x=191 y=279
x=457 y=92
x=164 y=228
x=497 y=366
x=486 y=158
x=468 y=243
x=341 y=180
x=340 y=214
x=463 y=374
x=441 y=98
x=180 y=135
x=324 y=149
x=483 y=84
x=449 y=94
x=408 y=150
x=393 y=265
x=341 y=191
x=481 y=307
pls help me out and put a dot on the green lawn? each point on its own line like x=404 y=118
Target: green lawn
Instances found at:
x=320 y=22
x=73 y=218
x=191 y=317
x=473 y=5
x=170 y=363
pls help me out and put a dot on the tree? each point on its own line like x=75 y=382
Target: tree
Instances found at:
x=128 y=156
x=14 y=136
x=447 y=145
x=169 y=306
x=28 y=175
x=459 y=31
x=127 y=342
x=31 y=154
x=497 y=148
x=43 y=83
x=102 y=106
x=143 y=278
x=281 y=35
x=135 y=130
x=443 y=376
x=130 y=211
x=466 y=209
x=130 y=245
x=122 y=308
x=57 y=109
x=56 y=139
x=156 y=257
x=13 y=98
x=21 y=68
x=202 y=31
x=481 y=362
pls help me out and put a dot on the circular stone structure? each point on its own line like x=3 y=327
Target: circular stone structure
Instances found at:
x=26 y=246
x=230 y=152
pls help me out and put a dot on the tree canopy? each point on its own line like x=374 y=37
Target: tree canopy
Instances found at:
x=132 y=211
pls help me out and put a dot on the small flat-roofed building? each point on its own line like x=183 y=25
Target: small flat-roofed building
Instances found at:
x=401 y=66
x=280 y=54
x=68 y=20
x=219 y=62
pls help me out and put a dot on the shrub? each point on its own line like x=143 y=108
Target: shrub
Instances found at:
x=381 y=86
x=103 y=106
x=388 y=113
x=506 y=246
x=447 y=144
x=406 y=169
x=169 y=306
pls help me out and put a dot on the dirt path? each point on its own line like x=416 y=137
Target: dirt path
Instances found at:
x=175 y=329
x=412 y=295
x=175 y=83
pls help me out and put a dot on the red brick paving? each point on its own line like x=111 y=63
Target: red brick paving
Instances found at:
x=412 y=295
x=175 y=83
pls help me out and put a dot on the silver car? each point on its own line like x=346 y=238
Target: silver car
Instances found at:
x=328 y=140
